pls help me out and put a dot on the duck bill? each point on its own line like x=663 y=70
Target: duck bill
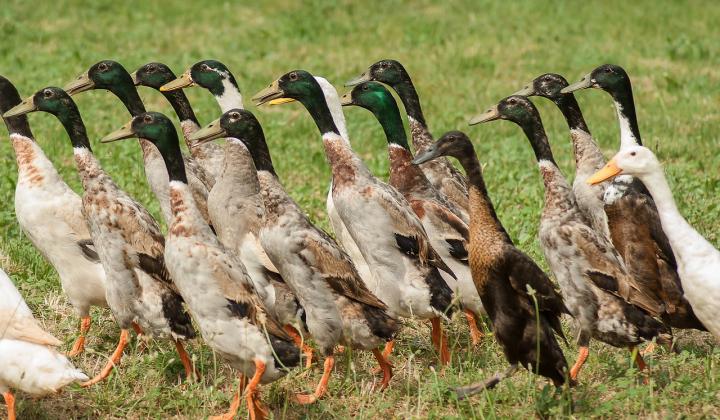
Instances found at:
x=491 y=114
x=365 y=77
x=346 y=99
x=125 y=132
x=81 y=83
x=23 y=107
x=208 y=133
x=526 y=91
x=135 y=79
x=185 y=80
x=584 y=83
x=431 y=153
x=272 y=95
x=608 y=171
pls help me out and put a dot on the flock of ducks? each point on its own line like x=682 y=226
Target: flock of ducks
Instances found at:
x=260 y=281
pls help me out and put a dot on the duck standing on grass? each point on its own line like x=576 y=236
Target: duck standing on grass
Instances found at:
x=631 y=221
x=29 y=360
x=404 y=265
x=112 y=76
x=584 y=262
x=127 y=239
x=441 y=173
x=213 y=281
x=519 y=298
x=448 y=233
x=50 y=213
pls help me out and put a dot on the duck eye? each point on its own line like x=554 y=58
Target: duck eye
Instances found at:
x=293 y=76
x=608 y=70
x=102 y=67
x=47 y=93
x=633 y=153
x=204 y=67
x=235 y=115
x=512 y=101
x=151 y=69
x=365 y=87
x=148 y=119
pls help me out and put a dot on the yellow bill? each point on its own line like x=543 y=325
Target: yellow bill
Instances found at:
x=185 y=80
x=608 y=171
x=125 y=132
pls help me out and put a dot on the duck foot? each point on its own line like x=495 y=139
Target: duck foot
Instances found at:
x=386 y=368
x=190 y=371
x=79 y=345
x=387 y=351
x=114 y=360
x=490 y=383
x=321 y=389
x=298 y=340
x=582 y=357
x=440 y=341
x=475 y=334
x=10 y=402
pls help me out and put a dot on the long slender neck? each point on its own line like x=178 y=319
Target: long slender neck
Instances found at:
x=388 y=114
x=228 y=95
x=180 y=103
x=409 y=97
x=70 y=118
x=570 y=109
x=173 y=159
x=539 y=141
x=625 y=108
x=259 y=151
x=9 y=98
x=479 y=195
x=130 y=98
x=320 y=112
x=586 y=151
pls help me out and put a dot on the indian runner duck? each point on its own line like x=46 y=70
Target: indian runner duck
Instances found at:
x=50 y=214
x=112 y=76
x=448 y=233
x=440 y=172
x=633 y=218
x=698 y=259
x=30 y=362
x=216 y=287
x=339 y=307
x=405 y=268
x=154 y=75
x=584 y=262
x=128 y=241
x=521 y=302
x=236 y=207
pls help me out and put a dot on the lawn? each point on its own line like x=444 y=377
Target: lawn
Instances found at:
x=464 y=56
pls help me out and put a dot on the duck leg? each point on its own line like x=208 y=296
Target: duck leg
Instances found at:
x=582 y=357
x=385 y=367
x=386 y=355
x=466 y=391
x=255 y=407
x=322 y=386
x=440 y=341
x=298 y=340
x=234 y=404
x=79 y=345
x=639 y=362
x=114 y=359
x=475 y=332
x=10 y=402
x=185 y=359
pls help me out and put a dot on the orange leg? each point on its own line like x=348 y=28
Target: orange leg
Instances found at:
x=640 y=363
x=322 y=386
x=79 y=345
x=650 y=349
x=234 y=405
x=475 y=332
x=440 y=341
x=389 y=346
x=10 y=402
x=582 y=357
x=114 y=360
x=137 y=328
x=185 y=359
x=255 y=407
x=385 y=367
x=298 y=340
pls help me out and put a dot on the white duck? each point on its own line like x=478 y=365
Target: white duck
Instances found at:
x=30 y=362
x=698 y=260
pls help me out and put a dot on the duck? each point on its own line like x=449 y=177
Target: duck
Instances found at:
x=698 y=260
x=513 y=289
x=404 y=267
x=441 y=173
x=50 y=214
x=583 y=261
x=212 y=280
x=112 y=76
x=340 y=308
x=30 y=360
x=632 y=216
x=448 y=233
x=209 y=156
x=139 y=291
x=236 y=207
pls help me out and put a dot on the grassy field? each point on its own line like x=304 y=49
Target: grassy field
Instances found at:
x=463 y=56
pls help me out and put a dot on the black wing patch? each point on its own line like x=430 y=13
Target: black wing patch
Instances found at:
x=458 y=250
x=88 y=249
x=239 y=309
x=155 y=267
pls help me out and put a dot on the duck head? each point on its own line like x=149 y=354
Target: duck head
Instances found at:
x=209 y=74
x=390 y=72
x=153 y=75
x=453 y=143
x=106 y=74
x=236 y=123
x=375 y=97
x=548 y=85
x=608 y=77
x=517 y=109
x=634 y=160
x=51 y=99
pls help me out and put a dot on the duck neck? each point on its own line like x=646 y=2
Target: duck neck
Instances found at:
x=539 y=141
x=388 y=114
x=9 y=98
x=625 y=108
x=319 y=110
x=70 y=118
x=181 y=105
x=482 y=211
x=259 y=150
x=409 y=97
x=128 y=95
x=584 y=147
x=228 y=94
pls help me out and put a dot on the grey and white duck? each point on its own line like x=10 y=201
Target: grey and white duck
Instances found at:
x=212 y=280
x=208 y=155
x=340 y=310
x=635 y=224
x=235 y=204
x=441 y=173
x=111 y=75
x=404 y=267
x=127 y=240
x=448 y=233
x=51 y=215
x=584 y=261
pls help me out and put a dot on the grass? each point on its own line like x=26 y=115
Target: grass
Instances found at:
x=464 y=56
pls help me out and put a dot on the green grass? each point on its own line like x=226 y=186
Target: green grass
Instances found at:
x=463 y=56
